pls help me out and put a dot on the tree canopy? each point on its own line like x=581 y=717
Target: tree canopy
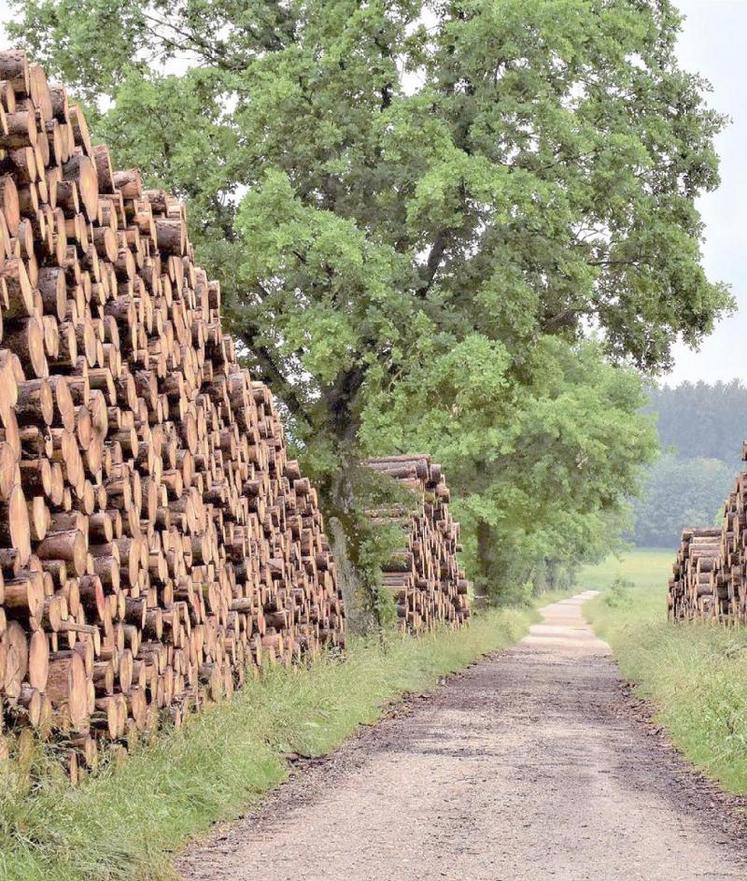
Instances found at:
x=544 y=468
x=420 y=212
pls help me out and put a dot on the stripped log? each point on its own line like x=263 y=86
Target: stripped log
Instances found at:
x=709 y=575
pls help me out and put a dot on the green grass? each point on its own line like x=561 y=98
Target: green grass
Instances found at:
x=645 y=567
x=122 y=823
x=695 y=675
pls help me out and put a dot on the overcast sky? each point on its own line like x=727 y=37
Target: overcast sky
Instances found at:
x=714 y=43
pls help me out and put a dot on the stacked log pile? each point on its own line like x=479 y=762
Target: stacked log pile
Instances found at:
x=710 y=573
x=697 y=576
x=424 y=575
x=155 y=540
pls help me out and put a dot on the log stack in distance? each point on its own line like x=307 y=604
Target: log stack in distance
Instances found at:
x=696 y=585
x=424 y=576
x=709 y=580
x=155 y=540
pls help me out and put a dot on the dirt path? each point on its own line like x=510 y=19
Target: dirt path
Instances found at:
x=529 y=766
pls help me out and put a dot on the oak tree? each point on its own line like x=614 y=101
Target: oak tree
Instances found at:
x=406 y=198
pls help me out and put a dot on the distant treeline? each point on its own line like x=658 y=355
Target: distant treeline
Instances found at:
x=701 y=428
x=702 y=421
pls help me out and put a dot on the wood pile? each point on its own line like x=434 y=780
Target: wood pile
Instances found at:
x=694 y=589
x=155 y=540
x=424 y=575
x=710 y=573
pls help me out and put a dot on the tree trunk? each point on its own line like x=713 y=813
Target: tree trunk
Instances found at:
x=346 y=534
x=347 y=527
x=486 y=557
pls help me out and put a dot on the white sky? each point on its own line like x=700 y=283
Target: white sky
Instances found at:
x=714 y=43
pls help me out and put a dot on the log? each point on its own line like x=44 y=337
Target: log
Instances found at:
x=67 y=687
x=709 y=575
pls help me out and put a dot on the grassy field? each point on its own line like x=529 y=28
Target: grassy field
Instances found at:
x=122 y=823
x=694 y=674
x=645 y=567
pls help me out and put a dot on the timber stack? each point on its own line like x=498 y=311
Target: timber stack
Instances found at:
x=697 y=576
x=155 y=539
x=710 y=573
x=424 y=575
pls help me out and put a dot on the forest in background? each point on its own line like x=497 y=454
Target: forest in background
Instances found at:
x=701 y=427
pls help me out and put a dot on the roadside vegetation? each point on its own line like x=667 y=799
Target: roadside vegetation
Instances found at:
x=693 y=674
x=644 y=567
x=124 y=822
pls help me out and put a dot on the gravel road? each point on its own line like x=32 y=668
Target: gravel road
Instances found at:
x=534 y=765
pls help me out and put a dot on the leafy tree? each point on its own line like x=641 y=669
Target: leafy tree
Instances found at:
x=701 y=428
x=393 y=190
x=546 y=467
x=679 y=493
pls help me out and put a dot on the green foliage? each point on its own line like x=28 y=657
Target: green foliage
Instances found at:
x=692 y=673
x=619 y=594
x=371 y=540
x=545 y=464
x=701 y=428
x=679 y=493
x=376 y=547
x=124 y=823
x=430 y=201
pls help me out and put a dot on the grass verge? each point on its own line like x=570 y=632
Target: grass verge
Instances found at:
x=693 y=674
x=122 y=823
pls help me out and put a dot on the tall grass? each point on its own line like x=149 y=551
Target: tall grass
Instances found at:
x=122 y=823
x=695 y=675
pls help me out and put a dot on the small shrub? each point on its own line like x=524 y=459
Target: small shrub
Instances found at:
x=619 y=595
